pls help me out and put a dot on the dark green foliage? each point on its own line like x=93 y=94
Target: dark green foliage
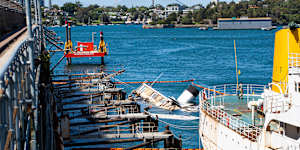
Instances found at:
x=281 y=11
x=172 y=17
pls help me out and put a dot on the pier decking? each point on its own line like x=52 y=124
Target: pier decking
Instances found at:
x=94 y=112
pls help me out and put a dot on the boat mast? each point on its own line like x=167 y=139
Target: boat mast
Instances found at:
x=236 y=66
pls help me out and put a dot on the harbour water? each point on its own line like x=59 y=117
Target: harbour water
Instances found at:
x=180 y=54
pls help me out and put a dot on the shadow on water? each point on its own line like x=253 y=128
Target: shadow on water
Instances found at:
x=92 y=67
x=85 y=67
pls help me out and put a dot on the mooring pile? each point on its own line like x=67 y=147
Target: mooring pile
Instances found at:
x=91 y=110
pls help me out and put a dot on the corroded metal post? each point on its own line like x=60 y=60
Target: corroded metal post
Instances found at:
x=39 y=12
x=35 y=12
x=15 y=78
x=28 y=18
x=29 y=31
x=10 y=111
x=31 y=69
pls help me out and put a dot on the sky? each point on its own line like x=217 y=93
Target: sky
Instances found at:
x=130 y=3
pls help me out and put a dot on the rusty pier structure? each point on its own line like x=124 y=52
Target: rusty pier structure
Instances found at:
x=91 y=111
x=42 y=108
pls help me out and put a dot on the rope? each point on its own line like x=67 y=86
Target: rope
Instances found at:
x=138 y=82
x=202 y=87
x=124 y=83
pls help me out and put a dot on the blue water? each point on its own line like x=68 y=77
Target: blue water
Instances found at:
x=180 y=54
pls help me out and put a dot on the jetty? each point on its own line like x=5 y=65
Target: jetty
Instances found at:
x=101 y=114
x=44 y=108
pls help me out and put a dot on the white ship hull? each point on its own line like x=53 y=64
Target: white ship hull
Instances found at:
x=216 y=136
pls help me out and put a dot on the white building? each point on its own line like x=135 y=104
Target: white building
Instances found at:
x=191 y=9
x=173 y=8
x=159 y=13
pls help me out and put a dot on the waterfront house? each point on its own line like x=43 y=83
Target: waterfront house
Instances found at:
x=172 y=8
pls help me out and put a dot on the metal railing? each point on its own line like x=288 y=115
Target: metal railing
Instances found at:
x=19 y=80
x=245 y=129
x=275 y=102
x=294 y=60
x=245 y=90
x=208 y=103
x=281 y=102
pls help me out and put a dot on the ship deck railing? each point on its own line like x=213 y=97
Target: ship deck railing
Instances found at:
x=276 y=102
x=239 y=126
x=247 y=91
x=294 y=63
x=213 y=101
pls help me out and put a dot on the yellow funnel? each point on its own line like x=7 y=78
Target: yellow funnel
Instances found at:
x=286 y=44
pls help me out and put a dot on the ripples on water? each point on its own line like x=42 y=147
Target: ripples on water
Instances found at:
x=207 y=56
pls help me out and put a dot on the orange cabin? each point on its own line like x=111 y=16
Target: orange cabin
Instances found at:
x=85 y=46
x=85 y=49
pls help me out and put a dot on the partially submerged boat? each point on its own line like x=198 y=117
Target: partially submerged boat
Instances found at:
x=149 y=94
x=154 y=97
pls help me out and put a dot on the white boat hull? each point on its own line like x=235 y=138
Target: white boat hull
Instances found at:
x=216 y=136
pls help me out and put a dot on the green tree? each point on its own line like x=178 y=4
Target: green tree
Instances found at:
x=104 y=18
x=159 y=7
x=162 y=22
x=70 y=8
x=55 y=6
x=187 y=19
x=199 y=15
x=82 y=15
x=172 y=17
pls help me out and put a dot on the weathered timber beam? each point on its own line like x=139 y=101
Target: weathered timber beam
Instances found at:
x=96 y=122
x=102 y=142
x=101 y=128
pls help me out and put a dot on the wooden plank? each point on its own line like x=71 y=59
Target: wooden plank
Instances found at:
x=102 y=142
x=101 y=128
x=81 y=89
x=145 y=135
x=96 y=122
x=129 y=116
x=80 y=74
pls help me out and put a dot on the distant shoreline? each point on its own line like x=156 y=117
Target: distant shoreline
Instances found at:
x=160 y=26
